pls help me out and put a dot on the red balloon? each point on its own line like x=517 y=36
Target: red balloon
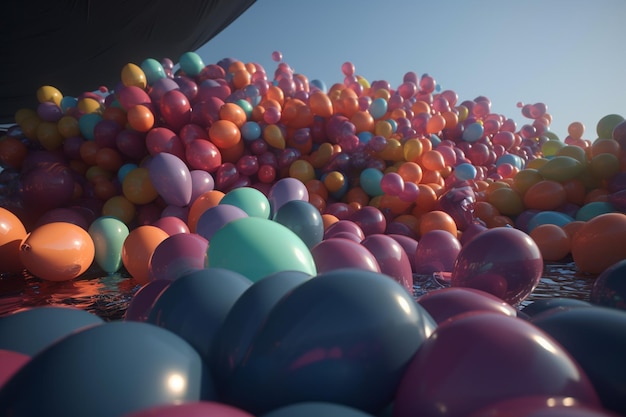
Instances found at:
x=175 y=109
x=162 y=139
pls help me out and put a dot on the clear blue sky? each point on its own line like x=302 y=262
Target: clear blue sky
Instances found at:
x=568 y=54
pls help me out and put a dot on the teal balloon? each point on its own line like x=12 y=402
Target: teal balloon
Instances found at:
x=473 y=132
x=256 y=248
x=246 y=107
x=594 y=209
x=465 y=171
x=108 y=235
x=250 y=200
x=68 y=102
x=153 y=70
x=370 y=181
x=549 y=217
x=378 y=108
x=191 y=63
x=87 y=123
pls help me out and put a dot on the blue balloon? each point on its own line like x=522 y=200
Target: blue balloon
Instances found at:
x=87 y=123
x=30 y=331
x=108 y=371
x=345 y=337
x=364 y=137
x=319 y=84
x=512 y=159
x=316 y=409
x=68 y=102
x=548 y=217
x=465 y=171
x=378 y=107
x=195 y=305
x=250 y=200
x=302 y=218
x=473 y=132
x=191 y=63
x=250 y=131
x=153 y=70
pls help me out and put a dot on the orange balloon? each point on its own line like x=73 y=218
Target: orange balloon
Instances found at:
x=410 y=171
x=433 y=160
x=316 y=186
x=140 y=118
x=362 y=121
x=552 y=241
x=435 y=124
x=600 y=146
x=233 y=113
x=575 y=191
x=320 y=104
x=275 y=93
x=241 y=78
x=357 y=195
x=200 y=205
x=57 y=251
x=109 y=159
x=545 y=195
x=420 y=107
x=224 y=134
x=88 y=152
x=318 y=202
x=426 y=200
x=328 y=220
x=600 y=243
x=572 y=228
x=485 y=210
x=437 y=220
x=138 y=248
x=12 y=232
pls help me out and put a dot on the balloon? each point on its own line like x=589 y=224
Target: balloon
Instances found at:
x=200 y=205
x=12 y=232
x=600 y=243
x=237 y=332
x=447 y=303
x=550 y=305
x=337 y=253
x=285 y=190
x=309 y=348
x=555 y=218
x=561 y=168
x=250 y=200
x=548 y=406
x=175 y=109
x=171 y=225
x=552 y=241
x=108 y=235
x=138 y=188
x=46 y=187
x=473 y=132
x=171 y=178
x=391 y=258
x=57 y=251
x=344 y=226
x=595 y=338
x=314 y=409
x=609 y=288
x=436 y=251
x=201 y=182
x=162 y=139
x=31 y=330
x=216 y=217
x=138 y=248
x=141 y=302
x=606 y=124
x=370 y=219
x=370 y=179
x=191 y=409
x=302 y=218
x=201 y=154
x=178 y=255
x=242 y=246
x=513 y=357
x=502 y=261
x=165 y=367
x=10 y=363
x=194 y=305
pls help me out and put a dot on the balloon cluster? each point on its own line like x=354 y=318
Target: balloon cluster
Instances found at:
x=275 y=225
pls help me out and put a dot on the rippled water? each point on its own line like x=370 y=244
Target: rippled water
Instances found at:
x=108 y=296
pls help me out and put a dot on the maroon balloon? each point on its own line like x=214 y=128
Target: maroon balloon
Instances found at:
x=207 y=111
x=105 y=133
x=477 y=359
x=370 y=219
x=141 y=303
x=67 y=215
x=178 y=255
x=347 y=226
x=391 y=258
x=201 y=182
x=47 y=187
x=336 y=253
x=409 y=244
x=445 y=303
x=162 y=139
x=192 y=131
x=131 y=144
x=541 y=406
x=203 y=155
x=131 y=96
x=175 y=109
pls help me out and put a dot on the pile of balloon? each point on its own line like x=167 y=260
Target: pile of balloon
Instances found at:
x=274 y=226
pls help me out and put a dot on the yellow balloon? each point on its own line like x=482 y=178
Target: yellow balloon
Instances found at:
x=302 y=170
x=88 y=105
x=274 y=136
x=138 y=188
x=48 y=93
x=133 y=75
x=49 y=136
x=393 y=151
x=383 y=128
x=68 y=126
x=412 y=150
x=120 y=208
x=536 y=163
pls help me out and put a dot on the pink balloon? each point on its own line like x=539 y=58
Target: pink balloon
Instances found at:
x=172 y=225
x=177 y=255
x=131 y=144
x=171 y=179
x=139 y=307
x=336 y=253
x=162 y=139
x=131 y=96
x=10 y=363
x=342 y=226
x=204 y=155
x=436 y=251
x=409 y=245
x=370 y=219
x=542 y=406
x=175 y=109
x=392 y=183
x=285 y=190
x=192 y=409
x=391 y=258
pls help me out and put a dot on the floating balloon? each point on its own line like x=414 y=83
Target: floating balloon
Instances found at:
x=108 y=235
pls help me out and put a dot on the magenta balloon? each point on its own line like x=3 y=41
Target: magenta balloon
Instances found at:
x=436 y=252
x=285 y=190
x=471 y=231
x=342 y=226
x=160 y=87
x=201 y=182
x=175 y=109
x=188 y=87
x=10 y=363
x=445 y=303
x=163 y=139
x=370 y=219
x=47 y=187
x=510 y=357
x=213 y=218
x=335 y=253
x=66 y=215
x=131 y=96
x=192 y=409
x=141 y=303
x=213 y=88
x=105 y=133
x=178 y=255
x=392 y=259
x=172 y=225
x=207 y=111
x=342 y=211
x=409 y=245
x=502 y=261
x=204 y=155
x=192 y=131
x=171 y=179
x=542 y=406
x=392 y=184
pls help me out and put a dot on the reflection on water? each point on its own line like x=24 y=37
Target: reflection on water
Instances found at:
x=108 y=295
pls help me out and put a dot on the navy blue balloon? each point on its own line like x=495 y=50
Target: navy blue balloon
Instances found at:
x=609 y=288
x=195 y=305
x=316 y=409
x=550 y=305
x=596 y=339
x=302 y=218
x=345 y=336
x=108 y=371
x=31 y=330
x=245 y=318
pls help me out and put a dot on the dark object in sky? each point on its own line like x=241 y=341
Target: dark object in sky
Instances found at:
x=79 y=45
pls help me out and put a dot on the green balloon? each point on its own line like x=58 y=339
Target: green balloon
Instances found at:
x=250 y=200
x=256 y=248
x=191 y=63
x=561 y=168
x=108 y=235
x=605 y=126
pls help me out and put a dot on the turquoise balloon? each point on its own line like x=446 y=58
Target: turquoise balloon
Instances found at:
x=191 y=63
x=594 y=209
x=250 y=200
x=370 y=181
x=246 y=107
x=250 y=131
x=87 y=123
x=108 y=235
x=256 y=248
x=153 y=70
x=378 y=108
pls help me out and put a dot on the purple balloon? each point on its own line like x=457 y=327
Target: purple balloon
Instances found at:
x=370 y=219
x=392 y=259
x=285 y=190
x=141 y=303
x=171 y=179
x=336 y=253
x=201 y=182
x=436 y=252
x=215 y=217
x=178 y=255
